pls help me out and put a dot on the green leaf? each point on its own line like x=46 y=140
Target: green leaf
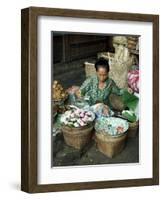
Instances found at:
x=129 y=115
x=130 y=100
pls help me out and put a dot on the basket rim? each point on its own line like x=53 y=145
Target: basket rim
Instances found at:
x=111 y=136
x=78 y=128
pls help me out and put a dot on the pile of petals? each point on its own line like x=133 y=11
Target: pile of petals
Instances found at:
x=113 y=126
x=133 y=80
x=77 y=117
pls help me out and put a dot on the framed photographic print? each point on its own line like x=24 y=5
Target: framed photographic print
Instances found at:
x=90 y=99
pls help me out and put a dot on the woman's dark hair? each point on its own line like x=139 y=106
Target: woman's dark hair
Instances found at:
x=102 y=62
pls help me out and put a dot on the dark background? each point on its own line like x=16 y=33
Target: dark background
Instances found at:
x=70 y=51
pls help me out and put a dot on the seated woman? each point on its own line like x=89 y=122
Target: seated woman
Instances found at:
x=97 y=88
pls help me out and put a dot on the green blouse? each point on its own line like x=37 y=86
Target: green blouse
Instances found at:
x=90 y=90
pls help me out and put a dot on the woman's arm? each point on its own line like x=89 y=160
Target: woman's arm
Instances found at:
x=116 y=90
x=85 y=87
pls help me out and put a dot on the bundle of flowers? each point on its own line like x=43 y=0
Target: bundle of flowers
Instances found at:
x=112 y=126
x=77 y=117
x=133 y=80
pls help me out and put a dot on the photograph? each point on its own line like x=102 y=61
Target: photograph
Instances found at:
x=94 y=99
x=90 y=99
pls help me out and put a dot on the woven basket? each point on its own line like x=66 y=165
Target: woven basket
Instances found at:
x=103 y=55
x=89 y=69
x=110 y=146
x=77 y=137
x=133 y=129
x=107 y=55
x=116 y=102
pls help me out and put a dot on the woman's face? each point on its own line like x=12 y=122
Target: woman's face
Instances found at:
x=102 y=74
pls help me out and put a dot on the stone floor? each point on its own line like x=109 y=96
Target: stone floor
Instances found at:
x=64 y=155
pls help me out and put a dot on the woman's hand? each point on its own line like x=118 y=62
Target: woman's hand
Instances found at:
x=105 y=110
x=78 y=93
x=72 y=89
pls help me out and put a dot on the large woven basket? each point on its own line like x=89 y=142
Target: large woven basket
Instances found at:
x=89 y=69
x=133 y=129
x=109 y=145
x=77 y=137
x=103 y=55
